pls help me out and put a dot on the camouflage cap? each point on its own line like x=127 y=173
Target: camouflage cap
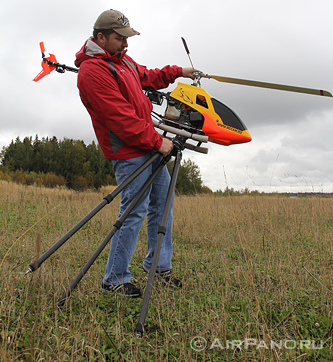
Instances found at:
x=113 y=19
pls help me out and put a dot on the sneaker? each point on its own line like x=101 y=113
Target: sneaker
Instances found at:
x=125 y=289
x=166 y=277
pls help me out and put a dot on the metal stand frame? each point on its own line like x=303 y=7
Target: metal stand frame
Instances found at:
x=106 y=200
x=161 y=232
x=179 y=145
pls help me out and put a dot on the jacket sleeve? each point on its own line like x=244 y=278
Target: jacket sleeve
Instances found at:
x=158 y=78
x=100 y=93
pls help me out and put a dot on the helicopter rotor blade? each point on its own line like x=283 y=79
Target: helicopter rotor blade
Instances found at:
x=187 y=51
x=283 y=87
x=42 y=47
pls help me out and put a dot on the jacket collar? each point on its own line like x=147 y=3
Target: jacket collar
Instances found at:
x=92 y=50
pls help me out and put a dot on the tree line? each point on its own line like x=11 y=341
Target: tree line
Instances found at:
x=51 y=162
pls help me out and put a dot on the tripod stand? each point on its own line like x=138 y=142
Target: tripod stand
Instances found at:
x=179 y=145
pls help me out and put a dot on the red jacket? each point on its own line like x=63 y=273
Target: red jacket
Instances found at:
x=111 y=90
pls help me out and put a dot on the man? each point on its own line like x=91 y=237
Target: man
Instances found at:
x=110 y=85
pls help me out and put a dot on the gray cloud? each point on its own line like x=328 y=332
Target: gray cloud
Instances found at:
x=276 y=41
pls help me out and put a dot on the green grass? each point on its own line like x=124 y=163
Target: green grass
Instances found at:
x=254 y=269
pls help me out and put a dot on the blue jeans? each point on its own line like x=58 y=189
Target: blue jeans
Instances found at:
x=151 y=204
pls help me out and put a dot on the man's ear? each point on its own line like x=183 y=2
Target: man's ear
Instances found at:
x=100 y=39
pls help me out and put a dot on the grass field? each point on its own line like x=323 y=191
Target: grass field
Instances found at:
x=257 y=274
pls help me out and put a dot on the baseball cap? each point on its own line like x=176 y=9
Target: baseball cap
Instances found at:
x=115 y=20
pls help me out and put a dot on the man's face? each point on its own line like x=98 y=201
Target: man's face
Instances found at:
x=115 y=43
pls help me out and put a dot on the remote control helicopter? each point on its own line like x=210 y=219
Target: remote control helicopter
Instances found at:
x=190 y=110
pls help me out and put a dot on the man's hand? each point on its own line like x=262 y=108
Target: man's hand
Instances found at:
x=188 y=72
x=166 y=147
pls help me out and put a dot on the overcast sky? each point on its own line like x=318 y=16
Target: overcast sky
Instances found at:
x=288 y=42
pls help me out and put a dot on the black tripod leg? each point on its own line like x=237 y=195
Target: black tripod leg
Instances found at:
x=117 y=225
x=158 y=246
x=106 y=200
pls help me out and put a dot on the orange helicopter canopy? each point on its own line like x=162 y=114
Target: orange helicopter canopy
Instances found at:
x=221 y=124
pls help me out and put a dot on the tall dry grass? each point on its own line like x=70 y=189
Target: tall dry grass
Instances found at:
x=255 y=270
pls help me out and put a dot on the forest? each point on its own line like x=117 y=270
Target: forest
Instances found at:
x=73 y=164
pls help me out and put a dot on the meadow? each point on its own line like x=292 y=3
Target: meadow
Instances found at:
x=257 y=276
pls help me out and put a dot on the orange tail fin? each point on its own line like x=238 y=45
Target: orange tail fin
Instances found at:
x=47 y=68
